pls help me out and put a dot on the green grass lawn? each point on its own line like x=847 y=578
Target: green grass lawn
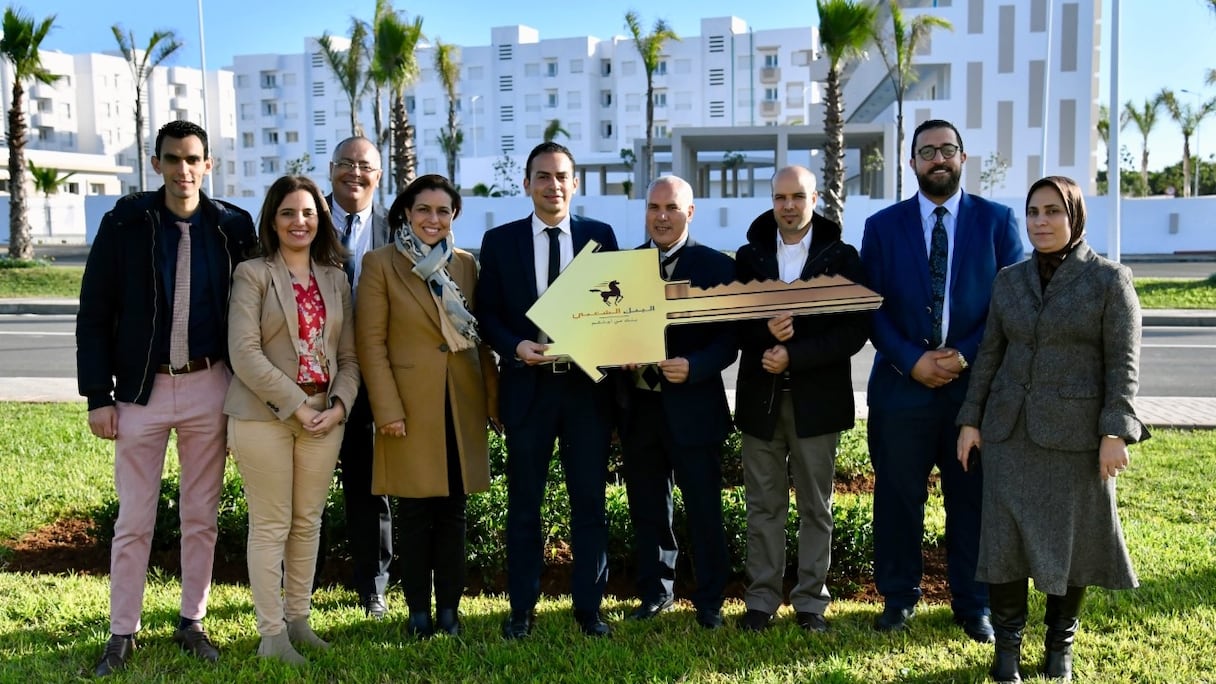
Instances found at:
x=64 y=281
x=41 y=281
x=52 y=627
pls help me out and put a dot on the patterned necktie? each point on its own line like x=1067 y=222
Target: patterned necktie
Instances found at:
x=555 y=253
x=179 y=329
x=938 y=263
x=349 y=267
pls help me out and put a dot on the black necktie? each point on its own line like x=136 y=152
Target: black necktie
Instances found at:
x=938 y=263
x=350 y=260
x=555 y=253
x=667 y=264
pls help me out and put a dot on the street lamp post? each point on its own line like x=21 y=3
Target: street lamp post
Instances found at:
x=473 y=105
x=1198 y=159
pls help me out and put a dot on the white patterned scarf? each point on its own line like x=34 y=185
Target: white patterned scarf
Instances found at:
x=430 y=263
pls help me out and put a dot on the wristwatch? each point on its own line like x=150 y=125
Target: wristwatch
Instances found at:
x=962 y=361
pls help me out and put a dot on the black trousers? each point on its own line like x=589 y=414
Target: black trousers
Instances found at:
x=369 y=522
x=431 y=536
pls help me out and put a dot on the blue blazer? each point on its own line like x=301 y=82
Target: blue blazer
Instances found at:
x=696 y=410
x=986 y=239
x=507 y=289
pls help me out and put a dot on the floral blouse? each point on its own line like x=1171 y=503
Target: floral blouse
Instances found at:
x=310 y=347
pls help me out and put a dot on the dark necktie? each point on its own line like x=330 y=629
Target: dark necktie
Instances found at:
x=555 y=253
x=938 y=263
x=350 y=260
x=179 y=339
x=667 y=264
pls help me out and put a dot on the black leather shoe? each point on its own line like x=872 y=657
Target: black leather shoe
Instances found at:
x=755 y=621
x=811 y=622
x=118 y=652
x=374 y=606
x=978 y=627
x=709 y=618
x=193 y=640
x=447 y=620
x=893 y=619
x=592 y=624
x=420 y=624
x=650 y=609
x=518 y=624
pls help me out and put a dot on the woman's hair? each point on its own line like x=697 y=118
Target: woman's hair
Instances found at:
x=405 y=201
x=1074 y=202
x=325 y=248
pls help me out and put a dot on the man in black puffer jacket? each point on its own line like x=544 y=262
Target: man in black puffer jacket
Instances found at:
x=794 y=397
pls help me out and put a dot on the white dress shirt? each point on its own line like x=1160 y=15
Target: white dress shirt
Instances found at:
x=792 y=258
x=540 y=249
x=928 y=219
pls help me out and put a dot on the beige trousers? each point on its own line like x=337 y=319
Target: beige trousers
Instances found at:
x=286 y=472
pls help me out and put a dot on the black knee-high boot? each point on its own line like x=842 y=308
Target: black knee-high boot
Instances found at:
x=1008 y=604
x=1061 y=621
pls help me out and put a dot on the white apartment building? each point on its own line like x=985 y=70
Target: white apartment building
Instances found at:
x=991 y=76
x=85 y=122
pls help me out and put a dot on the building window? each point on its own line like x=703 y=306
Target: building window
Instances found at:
x=270 y=165
x=293 y=136
x=576 y=130
x=476 y=73
x=289 y=79
x=660 y=130
x=270 y=108
x=605 y=129
x=291 y=109
x=246 y=139
x=428 y=105
x=551 y=68
x=629 y=68
x=661 y=68
x=605 y=67
x=532 y=70
x=576 y=66
x=605 y=98
x=410 y=103
x=660 y=98
x=574 y=99
x=532 y=131
x=633 y=102
x=770 y=94
x=73 y=188
x=683 y=101
x=532 y=102
x=270 y=136
x=551 y=99
x=269 y=79
x=770 y=59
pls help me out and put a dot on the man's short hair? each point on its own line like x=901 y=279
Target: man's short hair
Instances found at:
x=180 y=130
x=346 y=141
x=936 y=123
x=546 y=148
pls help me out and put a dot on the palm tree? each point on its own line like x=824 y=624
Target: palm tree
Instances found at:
x=393 y=58
x=448 y=68
x=48 y=182
x=650 y=47
x=1145 y=118
x=553 y=129
x=160 y=46
x=349 y=68
x=844 y=31
x=1188 y=119
x=898 y=48
x=19 y=47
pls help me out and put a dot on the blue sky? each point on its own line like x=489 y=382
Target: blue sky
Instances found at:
x=1164 y=42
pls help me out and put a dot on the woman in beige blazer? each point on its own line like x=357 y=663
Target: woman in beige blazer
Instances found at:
x=291 y=341
x=433 y=387
x=1050 y=403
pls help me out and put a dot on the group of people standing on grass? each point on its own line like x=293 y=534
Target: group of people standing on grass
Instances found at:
x=338 y=333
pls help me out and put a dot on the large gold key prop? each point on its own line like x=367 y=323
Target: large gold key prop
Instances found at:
x=611 y=309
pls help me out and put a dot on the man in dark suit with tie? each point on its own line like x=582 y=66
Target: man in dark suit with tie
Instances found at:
x=933 y=258
x=354 y=173
x=795 y=397
x=542 y=399
x=676 y=418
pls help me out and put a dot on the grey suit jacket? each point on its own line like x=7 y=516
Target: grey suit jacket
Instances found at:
x=1068 y=357
x=263 y=327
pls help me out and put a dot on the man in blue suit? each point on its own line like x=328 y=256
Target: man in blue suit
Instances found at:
x=542 y=399
x=933 y=258
x=676 y=418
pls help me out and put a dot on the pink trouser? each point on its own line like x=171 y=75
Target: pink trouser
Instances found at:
x=287 y=473
x=192 y=404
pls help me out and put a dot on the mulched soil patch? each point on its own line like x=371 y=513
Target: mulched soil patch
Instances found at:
x=67 y=546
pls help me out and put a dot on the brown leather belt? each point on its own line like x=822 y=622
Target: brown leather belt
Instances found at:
x=201 y=363
x=311 y=388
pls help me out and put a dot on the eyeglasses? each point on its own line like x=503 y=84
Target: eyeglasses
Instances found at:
x=347 y=166
x=928 y=152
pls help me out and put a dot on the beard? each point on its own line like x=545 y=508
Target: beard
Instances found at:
x=930 y=186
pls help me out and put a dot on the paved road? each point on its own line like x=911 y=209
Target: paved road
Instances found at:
x=1175 y=361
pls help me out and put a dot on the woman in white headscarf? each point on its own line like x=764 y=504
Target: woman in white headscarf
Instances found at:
x=433 y=389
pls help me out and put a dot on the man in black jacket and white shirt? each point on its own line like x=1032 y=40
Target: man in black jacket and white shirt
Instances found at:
x=794 y=397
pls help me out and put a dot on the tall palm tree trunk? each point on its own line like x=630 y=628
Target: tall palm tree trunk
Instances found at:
x=405 y=156
x=1186 y=165
x=451 y=151
x=899 y=149
x=833 y=149
x=1144 y=167
x=649 y=151
x=378 y=122
x=139 y=140
x=20 y=246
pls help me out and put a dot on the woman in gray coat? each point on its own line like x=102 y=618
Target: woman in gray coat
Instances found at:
x=1050 y=403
